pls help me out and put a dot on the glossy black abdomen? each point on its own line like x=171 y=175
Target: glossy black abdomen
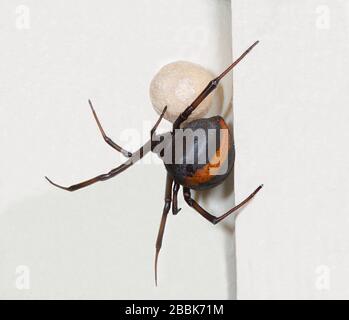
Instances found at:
x=202 y=153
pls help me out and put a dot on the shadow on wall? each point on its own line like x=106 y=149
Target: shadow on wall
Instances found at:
x=226 y=193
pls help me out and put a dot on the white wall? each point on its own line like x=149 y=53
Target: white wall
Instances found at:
x=291 y=117
x=291 y=130
x=99 y=242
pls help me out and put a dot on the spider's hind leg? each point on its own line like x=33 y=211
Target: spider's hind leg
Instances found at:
x=167 y=207
x=213 y=219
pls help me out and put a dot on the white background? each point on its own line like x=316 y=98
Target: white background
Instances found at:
x=100 y=242
x=291 y=119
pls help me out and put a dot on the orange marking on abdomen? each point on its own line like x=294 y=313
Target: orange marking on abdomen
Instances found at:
x=211 y=169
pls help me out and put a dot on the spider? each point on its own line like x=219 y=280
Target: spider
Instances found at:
x=190 y=175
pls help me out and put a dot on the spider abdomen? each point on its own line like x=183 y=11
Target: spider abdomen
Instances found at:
x=202 y=153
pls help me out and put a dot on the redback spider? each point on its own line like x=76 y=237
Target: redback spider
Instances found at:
x=188 y=175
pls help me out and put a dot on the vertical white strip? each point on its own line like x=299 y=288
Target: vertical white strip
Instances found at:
x=291 y=132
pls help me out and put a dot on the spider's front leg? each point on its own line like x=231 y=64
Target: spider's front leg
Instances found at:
x=208 y=89
x=110 y=142
x=112 y=173
x=105 y=137
x=133 y=158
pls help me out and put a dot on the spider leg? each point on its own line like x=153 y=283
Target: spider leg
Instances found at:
x=176 y=188
x=213 y=219
x=208 y=89
x=152 y=131
x=133 y=157
x=167 y=206
x=106 y=138
x=111 y=142
x=112 y=173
